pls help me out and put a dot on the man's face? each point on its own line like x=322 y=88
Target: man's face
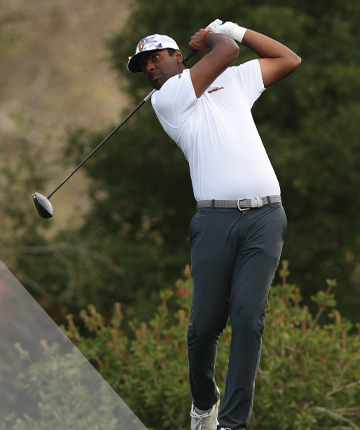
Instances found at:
x=159 y=66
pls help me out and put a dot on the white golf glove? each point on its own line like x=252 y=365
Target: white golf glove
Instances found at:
x=229 y=28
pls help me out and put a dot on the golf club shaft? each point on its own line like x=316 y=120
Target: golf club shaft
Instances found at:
x=186 y=58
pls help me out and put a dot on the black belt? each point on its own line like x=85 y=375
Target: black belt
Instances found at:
x=241 y=204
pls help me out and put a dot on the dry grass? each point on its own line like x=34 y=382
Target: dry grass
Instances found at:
x=54 y=74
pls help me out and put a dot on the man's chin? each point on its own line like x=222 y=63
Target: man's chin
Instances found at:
x=158 y=83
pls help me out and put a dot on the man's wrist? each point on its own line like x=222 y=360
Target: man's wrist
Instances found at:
x=238 y=33
x=206 y=32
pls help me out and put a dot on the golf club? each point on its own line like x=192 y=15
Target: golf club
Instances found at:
x=42 y=203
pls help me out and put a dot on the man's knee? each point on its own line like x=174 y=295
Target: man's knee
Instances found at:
x=206 y=331
x=249 y=325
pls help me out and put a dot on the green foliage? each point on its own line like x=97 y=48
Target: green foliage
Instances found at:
x=68 y=395
x=22 y=171
x=309 y=375
x=308 y=378
x=17 y=185
x=140 y=187
x=148 y=369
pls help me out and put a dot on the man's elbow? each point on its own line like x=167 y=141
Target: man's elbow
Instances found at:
x=232 y=50
x=294 y=62
x=236 y=51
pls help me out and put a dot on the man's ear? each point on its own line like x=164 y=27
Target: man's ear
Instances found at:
x=179 y=56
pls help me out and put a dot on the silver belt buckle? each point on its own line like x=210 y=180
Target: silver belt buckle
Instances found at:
x=242 y=209
x=257 y=202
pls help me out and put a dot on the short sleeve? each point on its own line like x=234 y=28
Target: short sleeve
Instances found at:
x=250 y=80
x=176 y=99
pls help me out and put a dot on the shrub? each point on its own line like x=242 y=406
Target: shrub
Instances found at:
x=309 y=376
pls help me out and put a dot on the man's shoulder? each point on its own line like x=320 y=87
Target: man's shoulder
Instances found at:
x=180 y=82
x=176 y=80
x=175 y=100
x=248 y=67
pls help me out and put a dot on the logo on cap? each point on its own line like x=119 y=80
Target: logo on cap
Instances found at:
x=149 y=43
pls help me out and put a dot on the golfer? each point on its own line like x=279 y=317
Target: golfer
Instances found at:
x=237 y=234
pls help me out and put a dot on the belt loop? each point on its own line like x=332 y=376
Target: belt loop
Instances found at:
x=269 y=201
x=212 y=204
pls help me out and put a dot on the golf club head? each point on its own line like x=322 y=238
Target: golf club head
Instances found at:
x=43 y=206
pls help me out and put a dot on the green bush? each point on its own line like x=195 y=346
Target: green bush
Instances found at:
x=64 y=392
x=309 y=375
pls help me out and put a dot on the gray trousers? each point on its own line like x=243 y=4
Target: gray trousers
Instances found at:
x=234 y=256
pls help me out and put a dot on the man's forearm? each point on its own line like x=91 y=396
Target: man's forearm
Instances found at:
x=276 y=62
x=265 y=47
x=223 y=52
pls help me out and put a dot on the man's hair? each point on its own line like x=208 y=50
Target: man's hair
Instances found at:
x=171 y=52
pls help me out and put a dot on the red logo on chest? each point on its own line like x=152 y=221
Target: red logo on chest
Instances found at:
x=215 y=89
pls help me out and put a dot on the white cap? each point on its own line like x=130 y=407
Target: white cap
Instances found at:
x=154 y=42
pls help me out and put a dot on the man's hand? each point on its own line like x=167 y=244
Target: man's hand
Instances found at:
x=197 y=42
x=214 y=25
x=229 y=28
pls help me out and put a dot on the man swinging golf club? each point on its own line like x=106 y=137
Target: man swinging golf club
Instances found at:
x=237 y=234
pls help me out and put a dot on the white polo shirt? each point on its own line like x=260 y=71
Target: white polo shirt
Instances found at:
x=217 y=133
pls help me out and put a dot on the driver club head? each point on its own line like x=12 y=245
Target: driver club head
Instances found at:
x=43 y=206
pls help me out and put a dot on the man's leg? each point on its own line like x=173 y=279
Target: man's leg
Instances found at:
x=260 y=244
x=213 y=251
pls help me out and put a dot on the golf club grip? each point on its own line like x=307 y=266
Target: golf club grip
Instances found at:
x=189 y=55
